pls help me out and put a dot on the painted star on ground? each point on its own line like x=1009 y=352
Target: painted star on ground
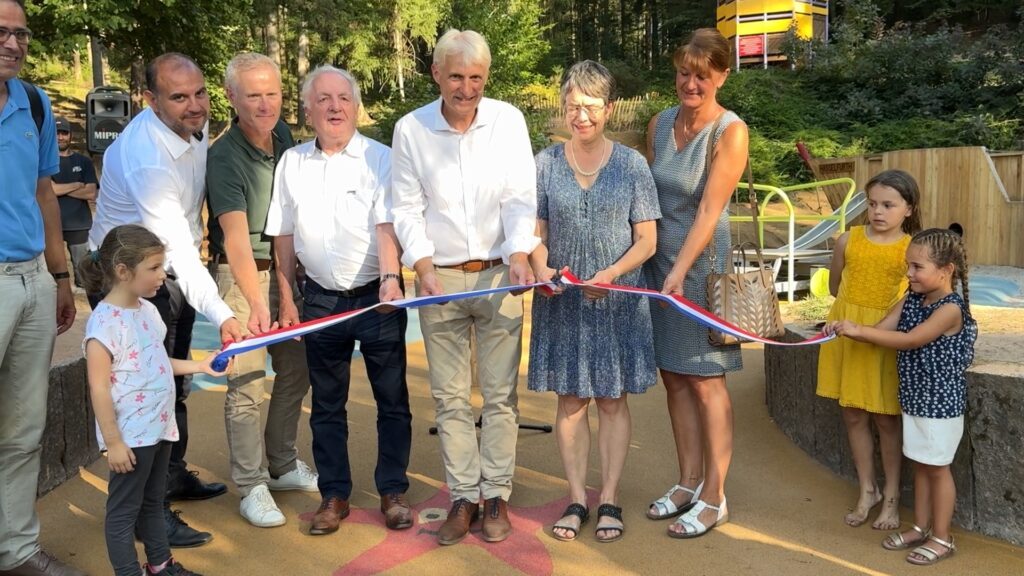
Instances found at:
x=523 y=550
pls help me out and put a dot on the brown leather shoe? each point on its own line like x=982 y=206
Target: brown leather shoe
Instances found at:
x=496 y=526
x=329 y=516
x=397 y=513
x=42 y=564
x=462 y=515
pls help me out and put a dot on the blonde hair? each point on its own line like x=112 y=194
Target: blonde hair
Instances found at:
x=466 y=44
x=129 y=244
x=705 y=50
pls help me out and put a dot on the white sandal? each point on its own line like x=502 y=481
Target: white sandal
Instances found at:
x=667 y=508
x=692 y=526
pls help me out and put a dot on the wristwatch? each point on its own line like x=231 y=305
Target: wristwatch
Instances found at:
x=61 y=275
x=385 y=277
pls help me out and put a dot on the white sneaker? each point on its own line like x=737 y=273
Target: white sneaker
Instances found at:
x=302 y=478
x=259 y=508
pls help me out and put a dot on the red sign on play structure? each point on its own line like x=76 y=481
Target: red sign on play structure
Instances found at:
x=751 y=45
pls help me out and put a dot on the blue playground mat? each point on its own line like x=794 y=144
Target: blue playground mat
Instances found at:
x=995 y=291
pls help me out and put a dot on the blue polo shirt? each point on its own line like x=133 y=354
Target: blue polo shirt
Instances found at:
x=25 y=157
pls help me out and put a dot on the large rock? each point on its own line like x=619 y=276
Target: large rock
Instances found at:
x=987 y=468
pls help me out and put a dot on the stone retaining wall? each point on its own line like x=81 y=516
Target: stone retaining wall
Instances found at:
x=989 y=464
x=69 y=440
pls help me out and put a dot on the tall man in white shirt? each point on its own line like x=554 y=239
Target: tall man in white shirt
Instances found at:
x=330 y=209
x=154 y=175
x=464 y=187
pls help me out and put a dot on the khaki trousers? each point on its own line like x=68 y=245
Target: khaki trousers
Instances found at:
x=246 y=438
x=28 y=326
x=486 y=469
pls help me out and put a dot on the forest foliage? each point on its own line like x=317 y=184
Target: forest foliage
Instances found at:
x=895 y=73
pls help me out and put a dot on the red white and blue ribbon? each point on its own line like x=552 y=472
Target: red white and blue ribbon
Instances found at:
x=678 y=303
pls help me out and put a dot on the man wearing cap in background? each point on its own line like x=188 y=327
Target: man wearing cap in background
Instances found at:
x=75 y=186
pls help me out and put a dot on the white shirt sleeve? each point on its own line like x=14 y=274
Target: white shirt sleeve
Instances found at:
x=407 y=200
x=519 y=198
x=279 y=218
x=158 y=200
x=383 y=212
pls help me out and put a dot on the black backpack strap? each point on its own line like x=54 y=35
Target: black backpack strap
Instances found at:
x=35 y=102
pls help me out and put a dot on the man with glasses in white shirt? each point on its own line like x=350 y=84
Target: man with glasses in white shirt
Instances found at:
x=464 y=187
x=330 y=209
x=154 y=175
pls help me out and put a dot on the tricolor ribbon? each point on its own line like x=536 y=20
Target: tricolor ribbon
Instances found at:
x=677 y=302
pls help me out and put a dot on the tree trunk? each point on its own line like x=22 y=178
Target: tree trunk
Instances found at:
x=97 y=59
x=301 y=68
x=138 y=83
x=398 y=44
x=273 y=43
x=76 y=64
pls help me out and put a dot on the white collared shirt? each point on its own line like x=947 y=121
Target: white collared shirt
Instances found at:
x=153 y=178
x=464 y=196
x=332 y=205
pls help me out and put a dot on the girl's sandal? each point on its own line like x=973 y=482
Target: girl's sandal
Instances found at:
x=609 y=511
x=896 y=541
x=666 y=508
x=925 y=556
x=690 y=522
x=575 y=509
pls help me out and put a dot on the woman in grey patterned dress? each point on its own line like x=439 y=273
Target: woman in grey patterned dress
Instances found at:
x=694 y=202
x=596 y=212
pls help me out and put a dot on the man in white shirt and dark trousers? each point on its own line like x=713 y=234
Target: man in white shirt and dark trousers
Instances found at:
x=154 y=175
x=330 y=209
x=464 y=188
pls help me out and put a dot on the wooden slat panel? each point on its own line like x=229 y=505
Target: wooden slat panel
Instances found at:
x=961 y=185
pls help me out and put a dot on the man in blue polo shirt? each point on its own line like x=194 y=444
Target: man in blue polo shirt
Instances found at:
x=35 y=289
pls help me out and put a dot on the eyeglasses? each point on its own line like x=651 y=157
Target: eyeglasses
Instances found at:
x=573 y=110
x=21 y=35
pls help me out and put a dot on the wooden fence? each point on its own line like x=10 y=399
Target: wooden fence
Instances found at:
x=980 y=190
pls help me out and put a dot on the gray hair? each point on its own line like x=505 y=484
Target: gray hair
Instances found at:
x=244 y=62
x=307 y=84
x=590 y=79
x=465 y=44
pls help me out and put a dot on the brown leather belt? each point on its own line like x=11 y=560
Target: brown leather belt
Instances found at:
x=262 y=264
x=474 y=265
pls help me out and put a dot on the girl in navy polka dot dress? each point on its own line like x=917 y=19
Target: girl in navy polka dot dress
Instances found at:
x=934 y=332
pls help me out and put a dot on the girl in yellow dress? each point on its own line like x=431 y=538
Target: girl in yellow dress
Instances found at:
x=868 y=276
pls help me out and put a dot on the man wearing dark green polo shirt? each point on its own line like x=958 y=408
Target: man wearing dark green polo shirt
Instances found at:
x=239 y=182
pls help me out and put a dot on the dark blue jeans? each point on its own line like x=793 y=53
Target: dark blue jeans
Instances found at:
x=381 y=340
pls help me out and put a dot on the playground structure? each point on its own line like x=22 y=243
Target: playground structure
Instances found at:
x=756 y=28
x=980 y=190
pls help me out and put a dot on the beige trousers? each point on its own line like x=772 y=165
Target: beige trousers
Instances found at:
x=473 y=470
x=246 y=439
x=28 y=326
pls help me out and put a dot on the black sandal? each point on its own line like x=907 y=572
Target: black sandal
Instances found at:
x=609 y=511
x=575 y=509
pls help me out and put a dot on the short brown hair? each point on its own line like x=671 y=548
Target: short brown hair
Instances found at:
x=706 y=49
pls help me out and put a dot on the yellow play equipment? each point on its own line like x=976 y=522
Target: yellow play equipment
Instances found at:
x=757 y=27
